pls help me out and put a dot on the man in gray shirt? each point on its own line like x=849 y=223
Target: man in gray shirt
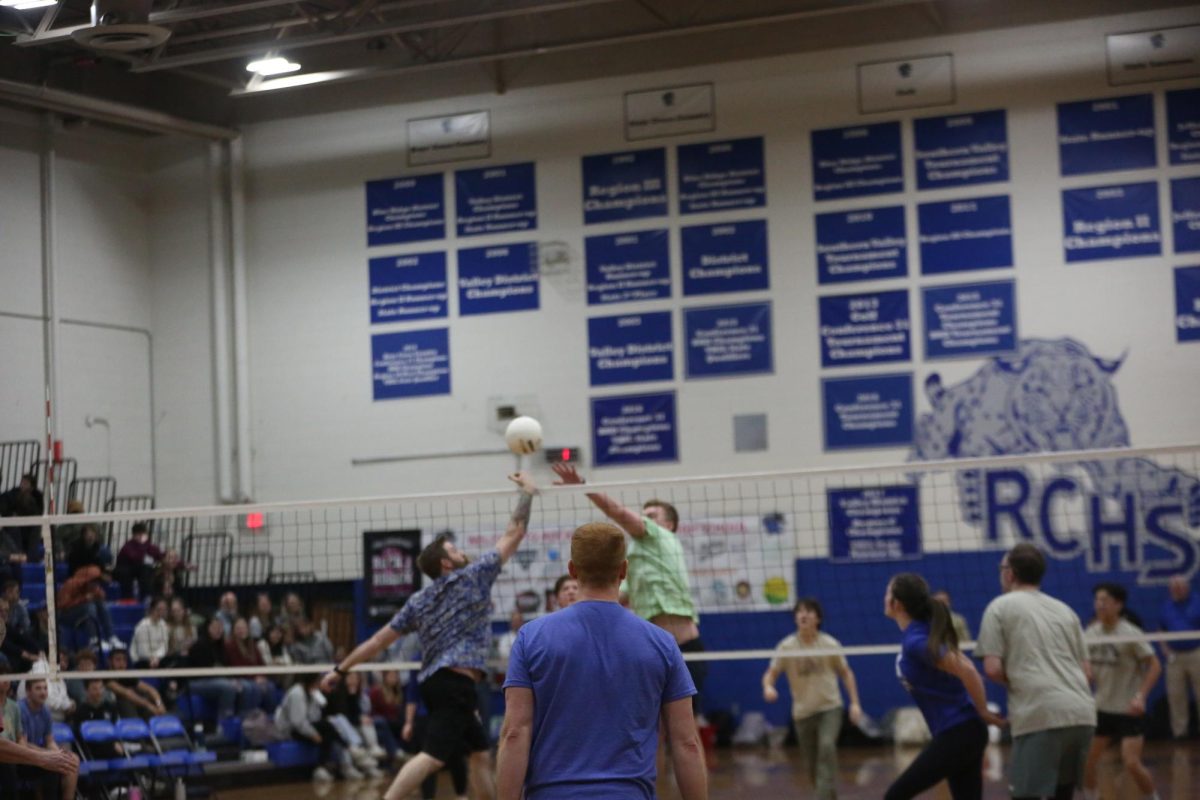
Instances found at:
x=1033 y=644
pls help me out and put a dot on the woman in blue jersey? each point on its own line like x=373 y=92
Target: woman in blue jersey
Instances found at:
x=946 y=687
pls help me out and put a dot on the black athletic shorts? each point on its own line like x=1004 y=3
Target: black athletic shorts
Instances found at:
x=1119 y=726
x=453 y=727
x=697 y=669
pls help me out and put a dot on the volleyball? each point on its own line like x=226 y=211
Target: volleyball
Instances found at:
x=524 y=435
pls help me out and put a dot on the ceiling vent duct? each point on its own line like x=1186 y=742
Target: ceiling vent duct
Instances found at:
x=121 y=25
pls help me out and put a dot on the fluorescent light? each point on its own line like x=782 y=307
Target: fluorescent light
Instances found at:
x=272 y=65
x=23 y=5
x=294 y=81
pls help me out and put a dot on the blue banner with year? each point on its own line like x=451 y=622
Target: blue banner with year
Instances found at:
x=861 y=245
x=625 y=267
x=410 y=363
x=720 y=176
x=1106 y=135
x=634 y=429
x=868 y=328
x=725 y=258
x=728 y=340
x=868 y=411
x=630 y=348
x=1107 y=222
x=496 y=199
x=497 y=279
x=958 y=235
x=977 y=319
x=856 y=161
x=408 y=209
x=1185 y=214
x=961 y=150
x=408 y=287
x=619 y=186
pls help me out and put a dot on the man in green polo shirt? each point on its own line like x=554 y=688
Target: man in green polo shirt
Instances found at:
x=658 y=585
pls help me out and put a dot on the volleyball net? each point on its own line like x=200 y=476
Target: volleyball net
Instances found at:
x=754 y=544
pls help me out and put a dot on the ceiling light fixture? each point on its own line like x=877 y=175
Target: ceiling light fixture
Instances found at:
x=24 y=5
x=272 y=65
x=293 y=81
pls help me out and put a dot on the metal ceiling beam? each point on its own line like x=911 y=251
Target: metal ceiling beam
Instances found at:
x=583 y=44
x=314 y=40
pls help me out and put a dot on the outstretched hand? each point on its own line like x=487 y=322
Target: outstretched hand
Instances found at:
x=523 y=480
x=567 y=474
x=329 y=681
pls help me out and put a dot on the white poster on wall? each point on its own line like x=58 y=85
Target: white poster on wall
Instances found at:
x=1156 y=55
x=670 y=111
x=906 y=83
x=457 y=137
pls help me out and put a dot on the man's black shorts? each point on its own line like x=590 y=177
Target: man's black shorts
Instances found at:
x=453 y=728
x=697 y=669
x=1119 y=726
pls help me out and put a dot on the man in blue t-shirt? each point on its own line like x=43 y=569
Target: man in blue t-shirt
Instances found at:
x=1181 y=613
x=452 y=619
x=585 y=691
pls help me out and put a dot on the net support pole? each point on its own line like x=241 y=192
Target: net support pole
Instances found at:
x=51 y=614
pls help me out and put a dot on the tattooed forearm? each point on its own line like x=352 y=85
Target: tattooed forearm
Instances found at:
x=521 y=514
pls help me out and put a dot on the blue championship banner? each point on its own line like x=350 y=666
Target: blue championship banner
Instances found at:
x=497 y=279
x=408 y=287
x=631 y=348
x=731 y=257
x=868 y=328
x=868 y=411
x=881 y=523
x=1106 y=222
x=625 y=267
x=719 y=176
x=495 y=199
x=634 y=429
x=409 y=209
x=959 y=235
x=867 y=244
x=1187 y=304
x=1185 y=214
x=410 y=363
x=1183 y=126
x=728 y=340
x=619 y=186
x=862 y=160
x=977 y=319
x=961 y=150
x=1106 y=135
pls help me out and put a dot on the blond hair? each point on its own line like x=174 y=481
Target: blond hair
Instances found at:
x=598 y=551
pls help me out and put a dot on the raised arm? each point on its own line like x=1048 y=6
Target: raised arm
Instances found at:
x=515 y=737
x=518 y=524
x=629 y=520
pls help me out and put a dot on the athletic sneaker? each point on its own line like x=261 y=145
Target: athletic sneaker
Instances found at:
x=350 y=773
x=322 y=775
x=377 y=752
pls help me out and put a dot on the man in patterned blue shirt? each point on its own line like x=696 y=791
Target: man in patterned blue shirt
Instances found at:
x=452 y=619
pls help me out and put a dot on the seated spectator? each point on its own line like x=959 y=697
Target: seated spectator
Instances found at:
x=299 y=717
x=240 y=651
x=10 y=730
x=263 y=616
x=58 y=699
x=345 y=712
x=85 y=661
x=12 y=555
x=96 y=705
x=168 y=575
x=65 y=536
x=135 y=697
x=151 y=637
x=273 y=649
x=181 y=633
x=40 y=635
x=88 y=551
x=38 y=728
x=227 y=611
x=293 y=609
x=81 y=601
x=137 y=561
x=227 y=694
x=18 y=615
x=25 y=500
x=311 y=645
x=19 y=652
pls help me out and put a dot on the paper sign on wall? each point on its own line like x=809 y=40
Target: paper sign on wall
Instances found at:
x=455 y=137
x=497 y=279
x=630 y=348
x=862 y=160
x=869 y=411
x=1183 y=126
x=409 y=209
x=725 y=258
x=628 y=185
x=625 y=267
x=496 y=199
x=728 y=340
x=720 y=176
x=959 y=235
x=1187 y=304
x=1156 y=55
x=868 y=328
x=865 y=244
x=634 y=429
x=408 y=287
x=410 y=363
x=908 y=83
x=669 y=111
x=961 y=150
x=876 y=524
x=977 y=319
x=1111 y=222
x=1106 y=135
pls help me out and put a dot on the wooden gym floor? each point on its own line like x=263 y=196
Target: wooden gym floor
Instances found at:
x=864 y=775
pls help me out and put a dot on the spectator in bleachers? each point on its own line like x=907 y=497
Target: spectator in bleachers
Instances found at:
x=81 y=601
x=85 y=661
x=181 y=633
x=312 y=646
x=348 y=709
x=135 y=697
x=137 y=561
x=18 y=652
x=227 y=611
x=299 y=717
x=293 y=609
x=12 y=556
x=263 y=616
x=274 y=650
x=58 y=699
x=10 y=730
x=168 y=576
x=97 y=705
x=18 y=615
x=88 y=551
x=38 y=729
x=65 y=536
x=241 y=651
x=151 y=637
x=40 y=635
x=24 y=500
x=227 y=694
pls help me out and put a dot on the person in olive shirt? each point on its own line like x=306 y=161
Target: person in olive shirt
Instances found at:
x=659 y=590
